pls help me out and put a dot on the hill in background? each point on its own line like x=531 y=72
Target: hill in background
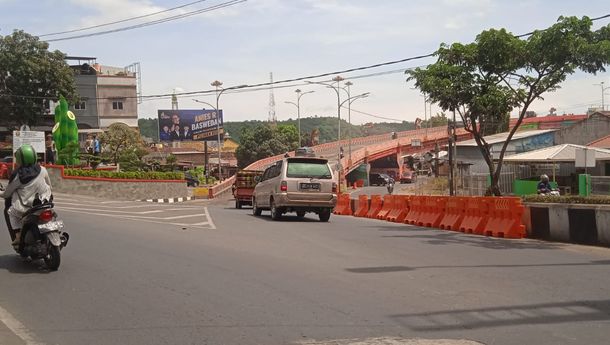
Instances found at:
x=328 y=127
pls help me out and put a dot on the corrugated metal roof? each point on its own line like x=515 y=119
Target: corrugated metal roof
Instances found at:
x=557 y=153
x=501 y=137
x=603 y=143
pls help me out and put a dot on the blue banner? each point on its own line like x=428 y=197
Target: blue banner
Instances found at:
x=186 y=125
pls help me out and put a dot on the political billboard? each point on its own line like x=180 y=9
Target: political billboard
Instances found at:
x=187 y=125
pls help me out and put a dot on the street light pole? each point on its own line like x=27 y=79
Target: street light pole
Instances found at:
x=298 y=105
x=338 y=79
x=217 y=84
x=349 y=120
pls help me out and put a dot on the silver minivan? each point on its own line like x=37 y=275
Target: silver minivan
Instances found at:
x=297 y=184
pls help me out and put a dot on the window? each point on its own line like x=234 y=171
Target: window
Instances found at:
x=80 y=105
x=277 y=170
x=117 y=105
x=266 y=174
x=308 y=168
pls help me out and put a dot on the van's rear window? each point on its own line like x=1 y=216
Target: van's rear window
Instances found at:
x=308 y=169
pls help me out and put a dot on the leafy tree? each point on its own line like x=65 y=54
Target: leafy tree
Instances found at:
x=130 y=159
x=484 y=80
x=171 y=160
x=265 y=141
x=437 y=120
x=30 y=76
x=119 y=139
x=149 y=128
x=66 y=156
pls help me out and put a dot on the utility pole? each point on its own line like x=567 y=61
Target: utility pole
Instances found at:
x=451 y=158
x=603 y=92
x=272 y=117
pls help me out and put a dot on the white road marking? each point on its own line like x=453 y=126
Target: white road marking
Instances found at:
x=141 y=219
x=17 y=328
x=115 y=211
x=207 y=215
x=83 y=204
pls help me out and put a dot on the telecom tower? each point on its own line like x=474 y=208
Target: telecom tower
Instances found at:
x=272 y=117
x=174 y=101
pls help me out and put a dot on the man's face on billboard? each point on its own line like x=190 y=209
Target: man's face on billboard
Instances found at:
x=176 y=119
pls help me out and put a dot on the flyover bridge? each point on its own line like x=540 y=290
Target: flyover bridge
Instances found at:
x=364 y=150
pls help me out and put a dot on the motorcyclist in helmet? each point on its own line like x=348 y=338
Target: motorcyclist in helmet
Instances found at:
x=544 y=187
x=27 y=181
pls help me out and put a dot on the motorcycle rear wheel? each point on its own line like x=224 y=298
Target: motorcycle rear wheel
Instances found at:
x=53 y=258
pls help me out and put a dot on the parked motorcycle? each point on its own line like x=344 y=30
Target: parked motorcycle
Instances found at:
x=41 y=233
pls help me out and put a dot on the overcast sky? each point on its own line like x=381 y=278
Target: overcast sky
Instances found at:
x=243 y=43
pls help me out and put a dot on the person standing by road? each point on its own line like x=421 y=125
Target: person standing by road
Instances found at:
x=96 y=146
x=50 y=149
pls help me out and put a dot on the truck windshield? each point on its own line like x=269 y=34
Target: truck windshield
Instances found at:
x=310 y=169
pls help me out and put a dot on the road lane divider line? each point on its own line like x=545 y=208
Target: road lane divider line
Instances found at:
x=18 y=328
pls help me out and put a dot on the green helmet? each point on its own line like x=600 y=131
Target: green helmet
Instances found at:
x=26 y=155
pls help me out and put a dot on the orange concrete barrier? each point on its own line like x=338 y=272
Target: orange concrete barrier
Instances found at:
x=415 y=210
x=363 y=206
x=388 y=206
x=505 y=217
x=400 y=210
x=475 y=216
x=344 y=207
x=376 y=206
x=434 y=207
x=454 y=213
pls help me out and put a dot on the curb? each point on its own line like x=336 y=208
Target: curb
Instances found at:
x=169 y=201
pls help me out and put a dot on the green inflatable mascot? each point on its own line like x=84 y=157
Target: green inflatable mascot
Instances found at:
x=65 y=134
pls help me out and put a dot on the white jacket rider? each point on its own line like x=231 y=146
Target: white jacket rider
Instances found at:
x=28 y=180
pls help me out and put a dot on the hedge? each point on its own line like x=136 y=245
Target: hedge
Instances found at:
x=568 y=199
x=130 y=175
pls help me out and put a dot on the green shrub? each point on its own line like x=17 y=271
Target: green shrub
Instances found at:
x=131 y=175
x=568 y=199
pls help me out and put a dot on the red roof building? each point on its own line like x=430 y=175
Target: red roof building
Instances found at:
x=603 y=143
x=548 y=122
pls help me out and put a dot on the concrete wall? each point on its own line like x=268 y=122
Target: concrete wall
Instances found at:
x=583 y=224
x=585 y=131
x=117 y=190
x=86 y=86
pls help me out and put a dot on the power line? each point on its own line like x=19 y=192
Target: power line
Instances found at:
x=159 y=21
x=375 y=116
x=316 y=76
x=122 y=20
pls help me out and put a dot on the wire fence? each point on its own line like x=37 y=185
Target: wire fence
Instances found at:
x=476 y=184
x=600 y=185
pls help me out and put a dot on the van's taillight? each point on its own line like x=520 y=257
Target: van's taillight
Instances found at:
x=46 y=216
x=334 y=187
x=284 y=186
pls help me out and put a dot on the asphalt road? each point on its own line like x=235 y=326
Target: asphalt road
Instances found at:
x=136 y=273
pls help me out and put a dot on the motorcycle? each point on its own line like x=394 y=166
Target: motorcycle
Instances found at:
x=41 y=233
x=390 y=186
x=552 y=192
